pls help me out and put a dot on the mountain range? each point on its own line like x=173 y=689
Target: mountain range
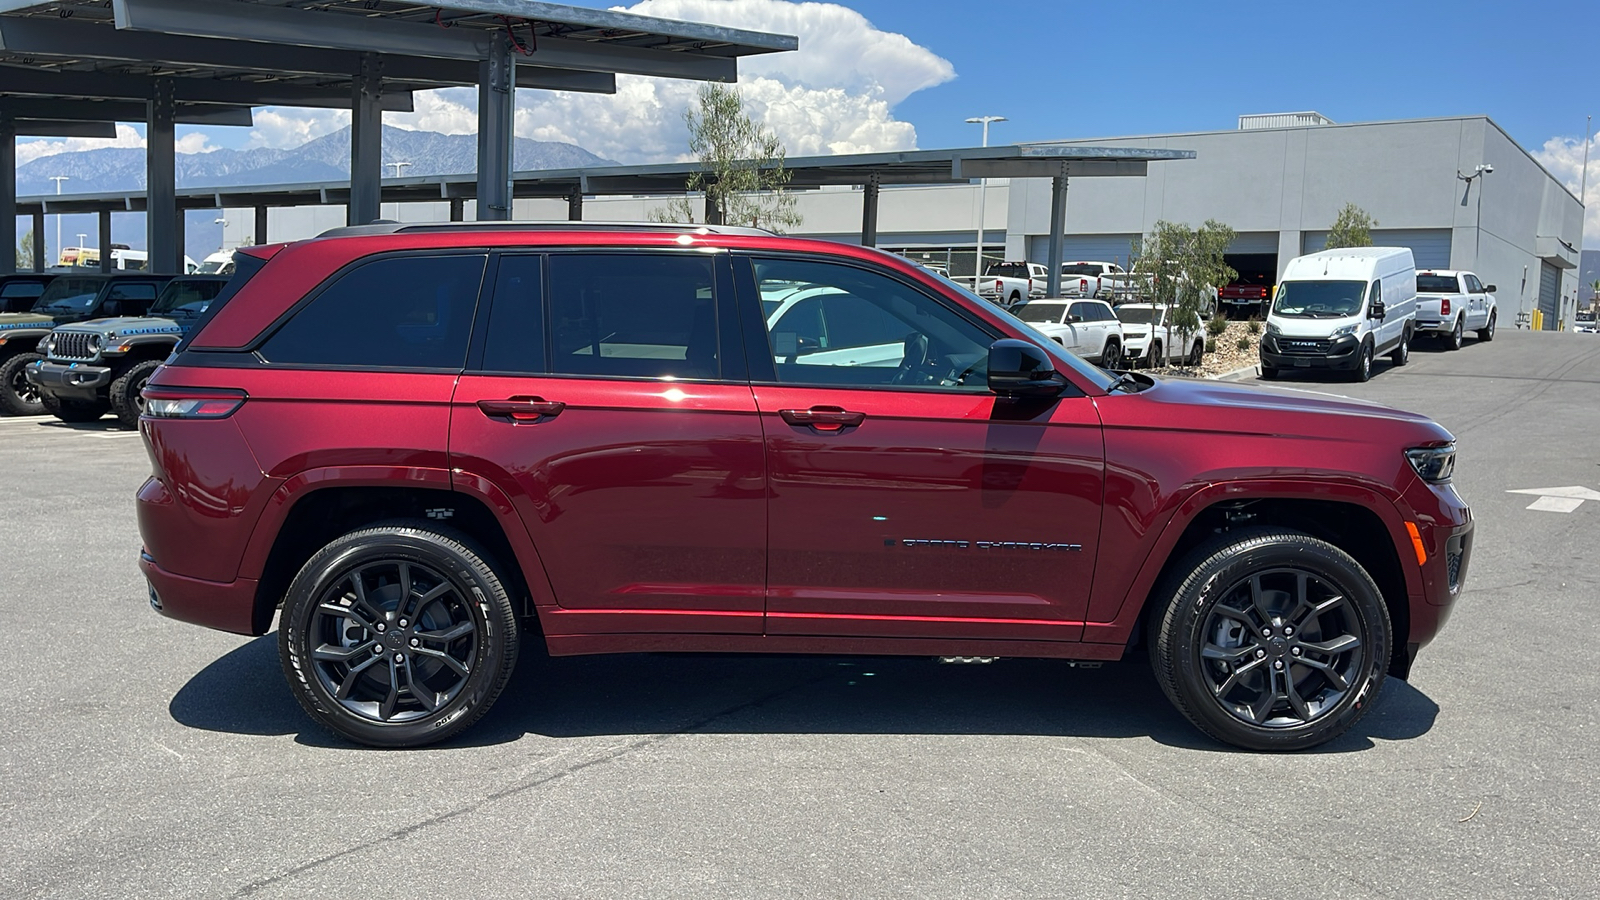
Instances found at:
x=326 y=158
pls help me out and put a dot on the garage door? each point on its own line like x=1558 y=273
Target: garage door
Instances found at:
x=1254 y=242
x=1430 y=246
x=1549 y=294
x=1087 y=247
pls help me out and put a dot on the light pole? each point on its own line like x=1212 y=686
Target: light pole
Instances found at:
x=397 y=167
x=1477 y=237
x=83 y=238
x=57 y=179
x=983 y=198
x=1583 y=207
x=224 y=224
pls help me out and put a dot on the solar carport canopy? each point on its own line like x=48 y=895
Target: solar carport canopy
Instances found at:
x=209 y=61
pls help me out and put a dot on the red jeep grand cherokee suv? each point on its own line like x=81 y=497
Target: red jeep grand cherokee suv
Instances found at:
x=428 y=443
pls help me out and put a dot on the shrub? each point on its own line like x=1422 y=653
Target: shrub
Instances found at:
x=1217 y=325
x=1211 y=345
x=1253 y=326
x=1244 y=343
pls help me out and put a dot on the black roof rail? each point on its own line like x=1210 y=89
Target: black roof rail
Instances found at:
x=380 y=228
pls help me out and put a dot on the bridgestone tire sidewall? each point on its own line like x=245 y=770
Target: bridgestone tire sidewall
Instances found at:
x=1178 y=635
x=459 y=561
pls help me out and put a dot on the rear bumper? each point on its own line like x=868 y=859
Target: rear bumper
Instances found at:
x=1442 y=327
x=72 y=380
x=226 y=606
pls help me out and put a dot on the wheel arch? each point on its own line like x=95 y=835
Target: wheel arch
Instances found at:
x=1361 y=523
x=313 y=508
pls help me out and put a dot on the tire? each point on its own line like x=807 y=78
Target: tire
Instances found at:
x=1013 y=300
x=126 y=401
x=335 y=638
x=1452 y=341
x=1259 y=632
x=1486 y=333
x=1269 y=373
x=1197 y=354
x=17 y=396
x=75 y=411
x=1363 y=369
x=1402 y=351
x=1157 y=355
x=1111 y=357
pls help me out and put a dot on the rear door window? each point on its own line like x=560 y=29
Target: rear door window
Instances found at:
x=411 y=312
x=633 y=315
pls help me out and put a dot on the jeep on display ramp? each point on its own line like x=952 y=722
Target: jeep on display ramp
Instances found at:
x=69 y=298
x=102 y=364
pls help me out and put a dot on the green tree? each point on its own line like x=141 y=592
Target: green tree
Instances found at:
x=1185 y=267
x=741 y=166
x=25 y=251
x=1351 y=228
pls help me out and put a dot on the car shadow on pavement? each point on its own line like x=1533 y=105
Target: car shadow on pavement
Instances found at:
x=107 y=424
x=639 y=694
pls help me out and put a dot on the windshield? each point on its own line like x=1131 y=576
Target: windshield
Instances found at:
x=186 y=299
x=1140 y=315
x=1042 y=313
x=1319 y=299
x=1438 y=284
x=69 y=295
x=1080 y=269
x=1063 y=357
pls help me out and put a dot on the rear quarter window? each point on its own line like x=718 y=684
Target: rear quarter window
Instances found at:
x=412 y=312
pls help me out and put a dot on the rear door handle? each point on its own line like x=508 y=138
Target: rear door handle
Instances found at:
x=522 y=409
x=823 y=418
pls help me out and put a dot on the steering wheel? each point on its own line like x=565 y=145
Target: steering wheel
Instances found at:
x=916 y=356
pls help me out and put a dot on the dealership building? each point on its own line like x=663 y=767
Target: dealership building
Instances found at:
x=1458 y=191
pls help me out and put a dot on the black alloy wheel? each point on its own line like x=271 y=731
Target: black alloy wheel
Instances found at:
x=1274 y=640
x=1486 y=333
x=127 y=392
x=1111 y=358
x=397 y=635
x=18 y=396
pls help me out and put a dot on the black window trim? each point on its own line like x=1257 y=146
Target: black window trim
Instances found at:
x=252 y=350
x=730 y=347
x=763 y=371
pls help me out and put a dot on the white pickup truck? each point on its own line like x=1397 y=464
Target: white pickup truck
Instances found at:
x=1008 y=283
x=1089 y=279
x=1451 y=303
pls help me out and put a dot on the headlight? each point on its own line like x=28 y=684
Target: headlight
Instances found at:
x=1343 y=330
x=1434 y=464
x=46 y=344
x=1272 y=328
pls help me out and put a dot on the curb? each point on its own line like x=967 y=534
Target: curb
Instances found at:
x=1239 y=374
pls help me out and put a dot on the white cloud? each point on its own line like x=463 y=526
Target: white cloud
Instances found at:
x=836 y=94
x=194 y=142
x=28 y=151
x=1564 y=158
x=284 y=128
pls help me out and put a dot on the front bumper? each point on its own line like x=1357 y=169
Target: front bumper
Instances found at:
x=1281 y=352
x=69 y=380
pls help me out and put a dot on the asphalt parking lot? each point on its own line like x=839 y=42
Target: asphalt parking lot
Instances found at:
x=150 y=758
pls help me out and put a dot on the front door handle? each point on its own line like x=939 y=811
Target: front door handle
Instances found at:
x=521 y=409
x=823 y=418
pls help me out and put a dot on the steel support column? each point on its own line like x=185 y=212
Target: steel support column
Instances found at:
x=39 y=262
x=366 y=143
x=261 y=225
x=869 y=213
x=180 y=232
x=458 y=209
x=1058 y=227
x=161 y=205
x=8 y=195
x=575 y=206
x=496 y=111
x=105 y=240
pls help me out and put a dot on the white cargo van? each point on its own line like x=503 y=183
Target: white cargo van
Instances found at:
x=1340 y=309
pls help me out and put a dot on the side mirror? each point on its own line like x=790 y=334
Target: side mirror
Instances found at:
x=1377 y=310
x=111 y=309
x=1489 y=289
x=1019 y=368
x=1073 y=318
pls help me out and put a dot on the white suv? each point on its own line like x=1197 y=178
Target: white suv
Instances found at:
x=1147 y=334
x=1451 y=303
x=1088 y=328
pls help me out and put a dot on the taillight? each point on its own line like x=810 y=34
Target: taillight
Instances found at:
x=1444 y=306
x=191 y=403
x=1083 y=285
x=998 y=284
